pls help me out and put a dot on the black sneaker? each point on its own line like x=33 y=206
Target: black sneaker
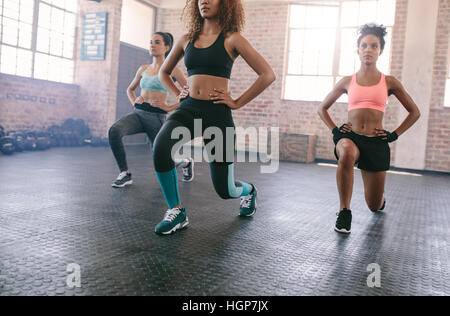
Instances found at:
x=188 y=171
x=344 y=221
x=122 y=180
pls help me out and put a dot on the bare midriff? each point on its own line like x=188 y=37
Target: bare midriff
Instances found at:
x=365 y=121
x=201 y=86
x=150 y=95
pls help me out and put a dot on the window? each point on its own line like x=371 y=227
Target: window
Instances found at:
x=137 y=23
x=447 y=85
x=37 y=38
x=322 y=44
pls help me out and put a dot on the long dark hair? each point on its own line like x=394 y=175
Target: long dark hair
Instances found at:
x=168 y=40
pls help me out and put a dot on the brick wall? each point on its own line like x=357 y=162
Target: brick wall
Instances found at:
x=30 y=104
x=438 y=144
x=267 y=30
x=98 y=79
x=92 y=97
x=397 y=52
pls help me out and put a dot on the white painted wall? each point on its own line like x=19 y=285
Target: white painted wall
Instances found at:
x=137 y=23
x=417 y=78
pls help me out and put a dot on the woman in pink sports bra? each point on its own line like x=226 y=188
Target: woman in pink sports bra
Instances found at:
x=362 y=140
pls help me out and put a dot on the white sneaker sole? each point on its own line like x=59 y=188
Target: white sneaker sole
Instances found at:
x=256 y=206
x=177 y=227
x=342 y=231
x=193 y=175
x=122 y=185
x=249 y=215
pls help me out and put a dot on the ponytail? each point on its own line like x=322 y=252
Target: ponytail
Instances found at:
x=168 y=40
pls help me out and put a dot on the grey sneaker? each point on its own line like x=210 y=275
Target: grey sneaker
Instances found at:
x=188 y=172
x=122 y=180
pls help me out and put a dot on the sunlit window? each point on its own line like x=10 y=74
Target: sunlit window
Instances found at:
x=322 y=44
x=136 y=27
x=37 y=38
x=447 y=89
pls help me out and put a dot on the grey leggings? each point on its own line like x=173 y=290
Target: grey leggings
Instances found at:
x=136 y=122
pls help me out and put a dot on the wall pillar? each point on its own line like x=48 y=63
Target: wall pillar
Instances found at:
x=98 y=79
x=417 y=77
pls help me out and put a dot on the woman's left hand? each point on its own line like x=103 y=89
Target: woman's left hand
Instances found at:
x=183 y=94
x=221 y=97
x=386 y=135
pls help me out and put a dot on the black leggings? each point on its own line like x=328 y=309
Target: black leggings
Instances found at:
x=213 y=118
x=136 y=122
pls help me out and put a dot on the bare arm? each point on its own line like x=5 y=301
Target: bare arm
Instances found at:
x=169 y=65
x=134 y=84
x=332 y=97
x=265 y=74
x=181 y=80
x=179 y=76
x=408 y=103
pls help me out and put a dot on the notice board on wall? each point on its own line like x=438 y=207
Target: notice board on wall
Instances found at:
x=93 y=37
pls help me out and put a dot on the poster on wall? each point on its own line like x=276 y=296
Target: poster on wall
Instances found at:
x=93 y=38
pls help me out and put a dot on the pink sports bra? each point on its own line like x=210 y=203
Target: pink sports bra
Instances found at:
x=371 y=97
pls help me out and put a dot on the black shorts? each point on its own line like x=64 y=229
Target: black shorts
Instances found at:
x=375 y=153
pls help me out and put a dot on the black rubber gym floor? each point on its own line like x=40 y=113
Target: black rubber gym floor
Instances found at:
x=57 y=208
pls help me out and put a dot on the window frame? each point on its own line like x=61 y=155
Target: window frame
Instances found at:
x=34 y=36
x=337 y=48
x=155 y=21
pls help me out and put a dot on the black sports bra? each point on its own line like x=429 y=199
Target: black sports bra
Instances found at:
x=213 y=60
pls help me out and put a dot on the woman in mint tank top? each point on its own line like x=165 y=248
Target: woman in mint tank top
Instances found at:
x=150 y=109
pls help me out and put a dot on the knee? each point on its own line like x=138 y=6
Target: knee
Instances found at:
x=374 y=206
x=161 y=149
x=224 y=195
x=222 y=189
x=347 y=158
x=115 y=133
x=222 y=192
x=162 y=159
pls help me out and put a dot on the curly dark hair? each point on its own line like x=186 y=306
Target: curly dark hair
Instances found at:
x=373 y=29
x=231 y=17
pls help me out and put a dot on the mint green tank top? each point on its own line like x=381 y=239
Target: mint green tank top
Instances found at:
x=152 y=83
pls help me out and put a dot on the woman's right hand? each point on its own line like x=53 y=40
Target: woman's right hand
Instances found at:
x=139 y=100
x=345 y=128
x=183 y=94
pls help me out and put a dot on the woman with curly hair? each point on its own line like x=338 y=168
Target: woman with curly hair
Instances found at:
x=209 y=48
x=362 y=140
